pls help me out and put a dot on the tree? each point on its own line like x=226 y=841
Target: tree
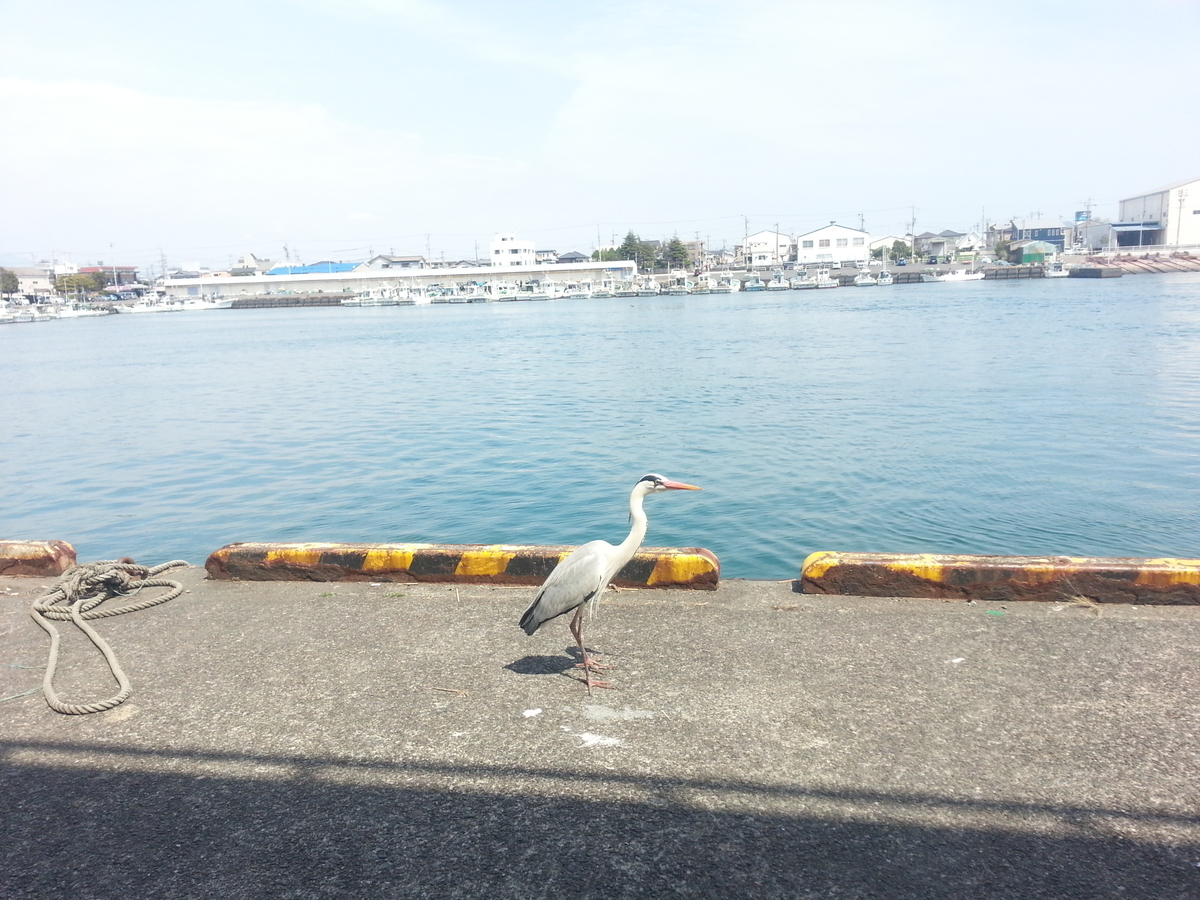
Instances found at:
x=641 y=252
x=608 y=255
x=900 y=250
x=677 y=253
x=9 y=283
x=88 y=284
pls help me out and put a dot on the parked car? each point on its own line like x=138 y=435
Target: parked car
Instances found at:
x=902 y=261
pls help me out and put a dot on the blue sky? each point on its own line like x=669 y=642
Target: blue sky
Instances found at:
x=207 y=130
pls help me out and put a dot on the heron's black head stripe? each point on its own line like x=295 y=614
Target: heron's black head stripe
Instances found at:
x=651 y=478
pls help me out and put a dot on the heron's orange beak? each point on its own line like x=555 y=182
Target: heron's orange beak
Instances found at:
x=679 y=486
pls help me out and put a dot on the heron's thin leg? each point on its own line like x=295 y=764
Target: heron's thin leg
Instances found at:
x=577 y=630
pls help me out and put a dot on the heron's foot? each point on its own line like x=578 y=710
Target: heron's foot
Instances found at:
x=593 y=683
x=593 y=665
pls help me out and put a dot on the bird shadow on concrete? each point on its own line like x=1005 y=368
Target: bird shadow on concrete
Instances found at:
x=543 y=665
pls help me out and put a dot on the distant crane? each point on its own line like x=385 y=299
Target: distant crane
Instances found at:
x=578 y=581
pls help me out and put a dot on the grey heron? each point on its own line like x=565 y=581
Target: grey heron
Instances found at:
x=580 y=578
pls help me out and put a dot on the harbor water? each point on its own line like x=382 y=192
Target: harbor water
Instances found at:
x=1032 y=417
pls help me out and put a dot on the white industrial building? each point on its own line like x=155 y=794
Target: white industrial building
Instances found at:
x=1167 y=217
x=833 y=244
x=765 y=249
x=507 y=251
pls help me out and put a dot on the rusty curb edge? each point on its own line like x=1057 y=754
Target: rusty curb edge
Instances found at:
x=35 y=558
x=501 y=564
x=1160 y=581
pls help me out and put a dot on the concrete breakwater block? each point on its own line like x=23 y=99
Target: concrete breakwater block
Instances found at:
x=37 y=558
x=657 y=567
x=1047 y=578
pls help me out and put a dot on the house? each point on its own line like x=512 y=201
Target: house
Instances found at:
x=249 y=264
x=833 y=244
x=1052 y=231
x=33 y=283
x=545 y=257
x=507 y=251
x=1169 y=216
x=765 y=249
x=394 y=262
x=116 y=275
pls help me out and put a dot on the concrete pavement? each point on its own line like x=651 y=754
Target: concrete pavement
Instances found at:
x=308 y=740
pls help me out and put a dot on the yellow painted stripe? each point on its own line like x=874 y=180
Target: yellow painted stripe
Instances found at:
x=924 y=565
x=301 y=554
x=389 y=559
x=486 y=561
x=817 y=564
x=676 y=568
x=1167 y=571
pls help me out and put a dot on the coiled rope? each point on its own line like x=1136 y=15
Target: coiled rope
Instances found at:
x=75 y=597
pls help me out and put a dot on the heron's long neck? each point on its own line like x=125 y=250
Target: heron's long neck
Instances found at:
x=637 y=533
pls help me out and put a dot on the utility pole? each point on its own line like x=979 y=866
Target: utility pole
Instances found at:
x=1182 y=194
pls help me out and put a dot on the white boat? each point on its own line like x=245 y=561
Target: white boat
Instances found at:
x=625 y=289
x=192 y=304
x=80 y=310
x=577 y=290
x=706 y=284
x=499 y=291
x=754 y=284
x=607 y=288
x=778 y=283
x=885 y=277
x=954 y=275
x=864 y=279
x=150 y=306
x=1056 y=270
x=679 y=285
x=824 y=280
x=649 y=287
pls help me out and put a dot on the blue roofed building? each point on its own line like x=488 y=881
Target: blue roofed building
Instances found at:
x=319 y=268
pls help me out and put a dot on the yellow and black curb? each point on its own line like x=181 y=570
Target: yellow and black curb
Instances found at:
x=1046 y=578
x=507 y=564
x=35 y=558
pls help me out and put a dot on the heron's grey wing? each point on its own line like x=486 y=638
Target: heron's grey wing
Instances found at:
x=574 y=581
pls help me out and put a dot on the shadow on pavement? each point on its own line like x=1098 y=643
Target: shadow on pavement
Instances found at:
x=96 y=821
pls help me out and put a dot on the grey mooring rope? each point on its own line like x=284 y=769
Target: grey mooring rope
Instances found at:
x=75 y=597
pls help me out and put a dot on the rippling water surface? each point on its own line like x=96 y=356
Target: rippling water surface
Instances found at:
x=1053 y=417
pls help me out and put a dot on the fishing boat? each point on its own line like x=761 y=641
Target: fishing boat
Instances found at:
x=953 y=275
x=864 y=279
x=778 y=282
x=577 y=290
x=1056 y=270
x=824 y=280
x=679 y=285
x=885 y=277
x=150 y=306
x=754 y=284
x=648 y=287
x=604 y=290
x=625 y=289
x=728 y=284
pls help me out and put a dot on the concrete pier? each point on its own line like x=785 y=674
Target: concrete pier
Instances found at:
x=311 y=740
